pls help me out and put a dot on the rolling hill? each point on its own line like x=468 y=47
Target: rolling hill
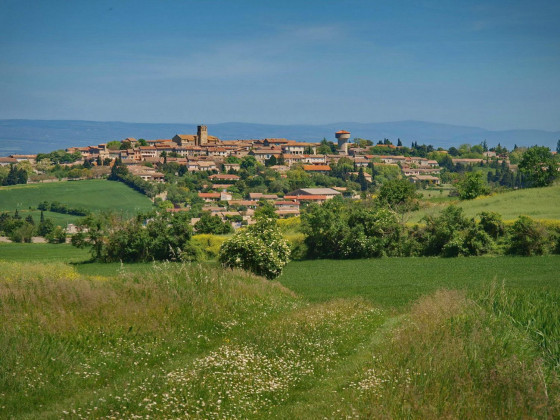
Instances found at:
x=94 y=195
x=538 y=203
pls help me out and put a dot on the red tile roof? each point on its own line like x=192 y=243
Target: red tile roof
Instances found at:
x=316 y=168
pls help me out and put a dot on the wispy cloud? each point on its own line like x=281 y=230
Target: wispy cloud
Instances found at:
x=267 y=54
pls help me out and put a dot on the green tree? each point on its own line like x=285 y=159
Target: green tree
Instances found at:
x=232 y=159
x=471 y=186
x=46 y=226
x=249 y=163
x=362 y=180
x=271 y=162
x=212 y=224
x=114 y=145
x=56 y=236
x=265 y=210
x=539 y=166
x=399 y=195
x=260 y=249
x=528 y=237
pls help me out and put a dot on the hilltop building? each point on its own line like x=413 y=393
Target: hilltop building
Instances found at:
x=342 y=136
x=200 y=139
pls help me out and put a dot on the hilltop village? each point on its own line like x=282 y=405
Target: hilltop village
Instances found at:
x=232 y=178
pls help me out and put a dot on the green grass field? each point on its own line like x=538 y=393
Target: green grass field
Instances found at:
x=94 y=195
x=395 y=282
x=42 y=253
x=538 y=203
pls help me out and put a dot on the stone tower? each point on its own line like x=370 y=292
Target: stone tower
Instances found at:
x=202 y=135
x=342 y=136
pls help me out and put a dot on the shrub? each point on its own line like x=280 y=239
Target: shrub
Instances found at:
x=24 y=233
x=56 y=236
x=471 y=186
x=492 y=224
x=528 y=237
x=260 y=249
x=209 y=244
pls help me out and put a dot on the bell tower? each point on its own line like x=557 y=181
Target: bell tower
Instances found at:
x=202 y=135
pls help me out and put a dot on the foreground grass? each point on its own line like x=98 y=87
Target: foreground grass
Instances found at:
x=176 y=341
x=184 y=340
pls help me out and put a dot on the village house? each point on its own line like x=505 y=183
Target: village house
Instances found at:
x=301 y=193
x=231 y=167
x=429 y=179
x=317 y=169
x=315 y=159
x=261 y=196
x=225 y=178
x=263 y=154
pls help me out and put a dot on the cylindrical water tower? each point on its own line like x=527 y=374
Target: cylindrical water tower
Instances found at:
x=342 y=137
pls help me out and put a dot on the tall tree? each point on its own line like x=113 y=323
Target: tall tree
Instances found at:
x=539 y=166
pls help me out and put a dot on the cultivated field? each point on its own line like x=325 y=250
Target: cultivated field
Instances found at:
x=389 y=338
x=94 y=195
x=538 y=203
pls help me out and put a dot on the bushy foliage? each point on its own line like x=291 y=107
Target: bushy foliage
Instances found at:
x=59 y=156
x=492 y=224
x=399 y=195
x=528 y=237
x=153 y=237
x=539 y=165
x=451 y=234
x=339 y=230
x=212 y=224
x=62 y=208
x=260 y=249
x=56 y=236
x=14 y=176
x=471 y=186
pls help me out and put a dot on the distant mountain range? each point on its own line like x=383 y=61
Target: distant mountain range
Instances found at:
x=37 y=136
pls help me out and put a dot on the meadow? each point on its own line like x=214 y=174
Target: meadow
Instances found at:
x=381 y=338
x=94 y=195
x=538 y=203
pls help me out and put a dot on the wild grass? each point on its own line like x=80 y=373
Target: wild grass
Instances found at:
x=176 y=341
x=452 y=359
x=63 y=334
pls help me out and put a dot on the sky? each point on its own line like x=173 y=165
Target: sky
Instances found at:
x=490 y=64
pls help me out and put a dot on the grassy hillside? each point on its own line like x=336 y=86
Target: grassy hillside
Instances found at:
x=94 y=195
x=538 y=203
x=181 y=341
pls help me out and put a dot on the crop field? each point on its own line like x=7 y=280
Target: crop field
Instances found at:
x=94 y=195
x=538 y=203
x=395 y=282
x=22 y=252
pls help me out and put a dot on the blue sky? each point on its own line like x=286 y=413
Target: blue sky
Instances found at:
x=493 y=64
